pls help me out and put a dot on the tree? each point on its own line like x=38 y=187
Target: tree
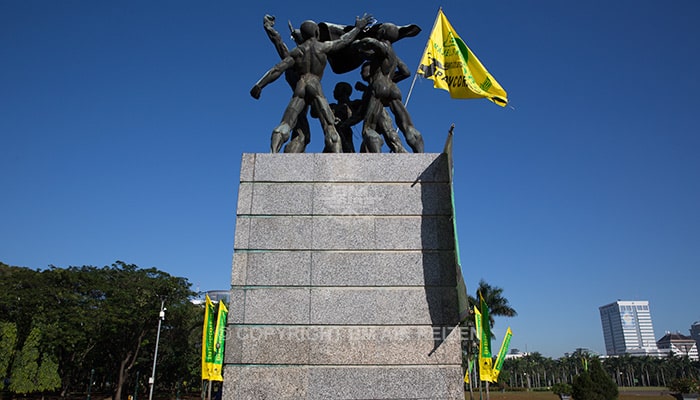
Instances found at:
x=562 y=389
x=594 y=383
x=47 y=377
x=8 y=340
x=61 y=317
x=26 y=365
x=28 y=374
x=493 y=296
x=129 y=314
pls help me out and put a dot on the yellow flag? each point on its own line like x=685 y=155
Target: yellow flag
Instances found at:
x=208 y=339
x=452 y=66
x=477 y=322
x=470 y=364
x=498 y=366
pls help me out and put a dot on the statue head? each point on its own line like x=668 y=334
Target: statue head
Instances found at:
x=309 y=30
x=342 y=90
x=388 y=31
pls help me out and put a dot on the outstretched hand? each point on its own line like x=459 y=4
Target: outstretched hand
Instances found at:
x=268 y=21
x=364 y=21
x=255 y=92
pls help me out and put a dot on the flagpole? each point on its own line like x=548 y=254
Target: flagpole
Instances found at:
x=415 y=76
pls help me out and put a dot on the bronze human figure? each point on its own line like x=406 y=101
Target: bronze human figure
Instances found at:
x=345 y=111
x=308 y=60
x=380 y=122
x=385 y=69
x=301 y=134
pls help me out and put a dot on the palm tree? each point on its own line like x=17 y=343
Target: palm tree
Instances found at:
x=498 y=306
x=493 y=296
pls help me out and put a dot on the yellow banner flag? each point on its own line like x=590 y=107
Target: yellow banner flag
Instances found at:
x=498 y=366
x=452 y=66
x=477 y=322
x=208 y=339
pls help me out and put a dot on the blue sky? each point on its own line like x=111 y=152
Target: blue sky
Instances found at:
x=122 y=127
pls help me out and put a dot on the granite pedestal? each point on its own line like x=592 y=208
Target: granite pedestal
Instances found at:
x=343 y=279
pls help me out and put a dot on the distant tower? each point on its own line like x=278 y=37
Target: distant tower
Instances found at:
x=695 y=332
x=627 y=328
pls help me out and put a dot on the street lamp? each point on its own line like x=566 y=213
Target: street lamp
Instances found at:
x=151 y=380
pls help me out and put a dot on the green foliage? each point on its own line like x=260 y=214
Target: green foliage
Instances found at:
x=594 y=384
x=28 y=374
x=71 y=320
x=47 y=377
x=683 y=385
x=493 y=296
x=26 y=365
x=562 y=389
x=8 y=340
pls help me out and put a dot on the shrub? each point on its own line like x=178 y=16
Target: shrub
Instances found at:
x=594 y=384
x=683 y=385
x=562 y=389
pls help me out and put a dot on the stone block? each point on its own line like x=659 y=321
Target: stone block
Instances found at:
x=344 y=233
x=285 y=167
x=282 y=198
x=245 y=198
x=381 y=199
x=273 y=233
x=384 y=167
x=247 y=167
x=245 y=382
x=382 y=306
x=239 y=269
x=275 y=268
x=382 y=268
x=386 y=382
x=414 y=233
x=266 y=344
x=265 y=305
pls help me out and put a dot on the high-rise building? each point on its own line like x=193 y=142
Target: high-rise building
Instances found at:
x=695 y=332
x=627 y=328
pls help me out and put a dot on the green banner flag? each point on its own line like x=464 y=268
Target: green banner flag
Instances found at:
x=219 y=339
x=502 y=354
x=462 y=298
x=485 y=361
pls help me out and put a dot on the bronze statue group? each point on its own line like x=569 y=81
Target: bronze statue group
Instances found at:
x=345 y=48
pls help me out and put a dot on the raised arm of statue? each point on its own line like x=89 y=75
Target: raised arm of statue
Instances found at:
x=271 y=75
x=274 y=36
x=347 y=38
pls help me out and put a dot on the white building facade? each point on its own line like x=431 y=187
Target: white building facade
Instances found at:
x=627 y=329
x=679 y=345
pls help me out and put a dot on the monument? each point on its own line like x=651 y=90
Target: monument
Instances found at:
x=345 y=283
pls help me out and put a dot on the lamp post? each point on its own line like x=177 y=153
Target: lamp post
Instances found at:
x=151 y=380
x=92 y=374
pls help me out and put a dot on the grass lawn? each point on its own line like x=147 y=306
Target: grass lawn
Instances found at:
x=625 y=394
